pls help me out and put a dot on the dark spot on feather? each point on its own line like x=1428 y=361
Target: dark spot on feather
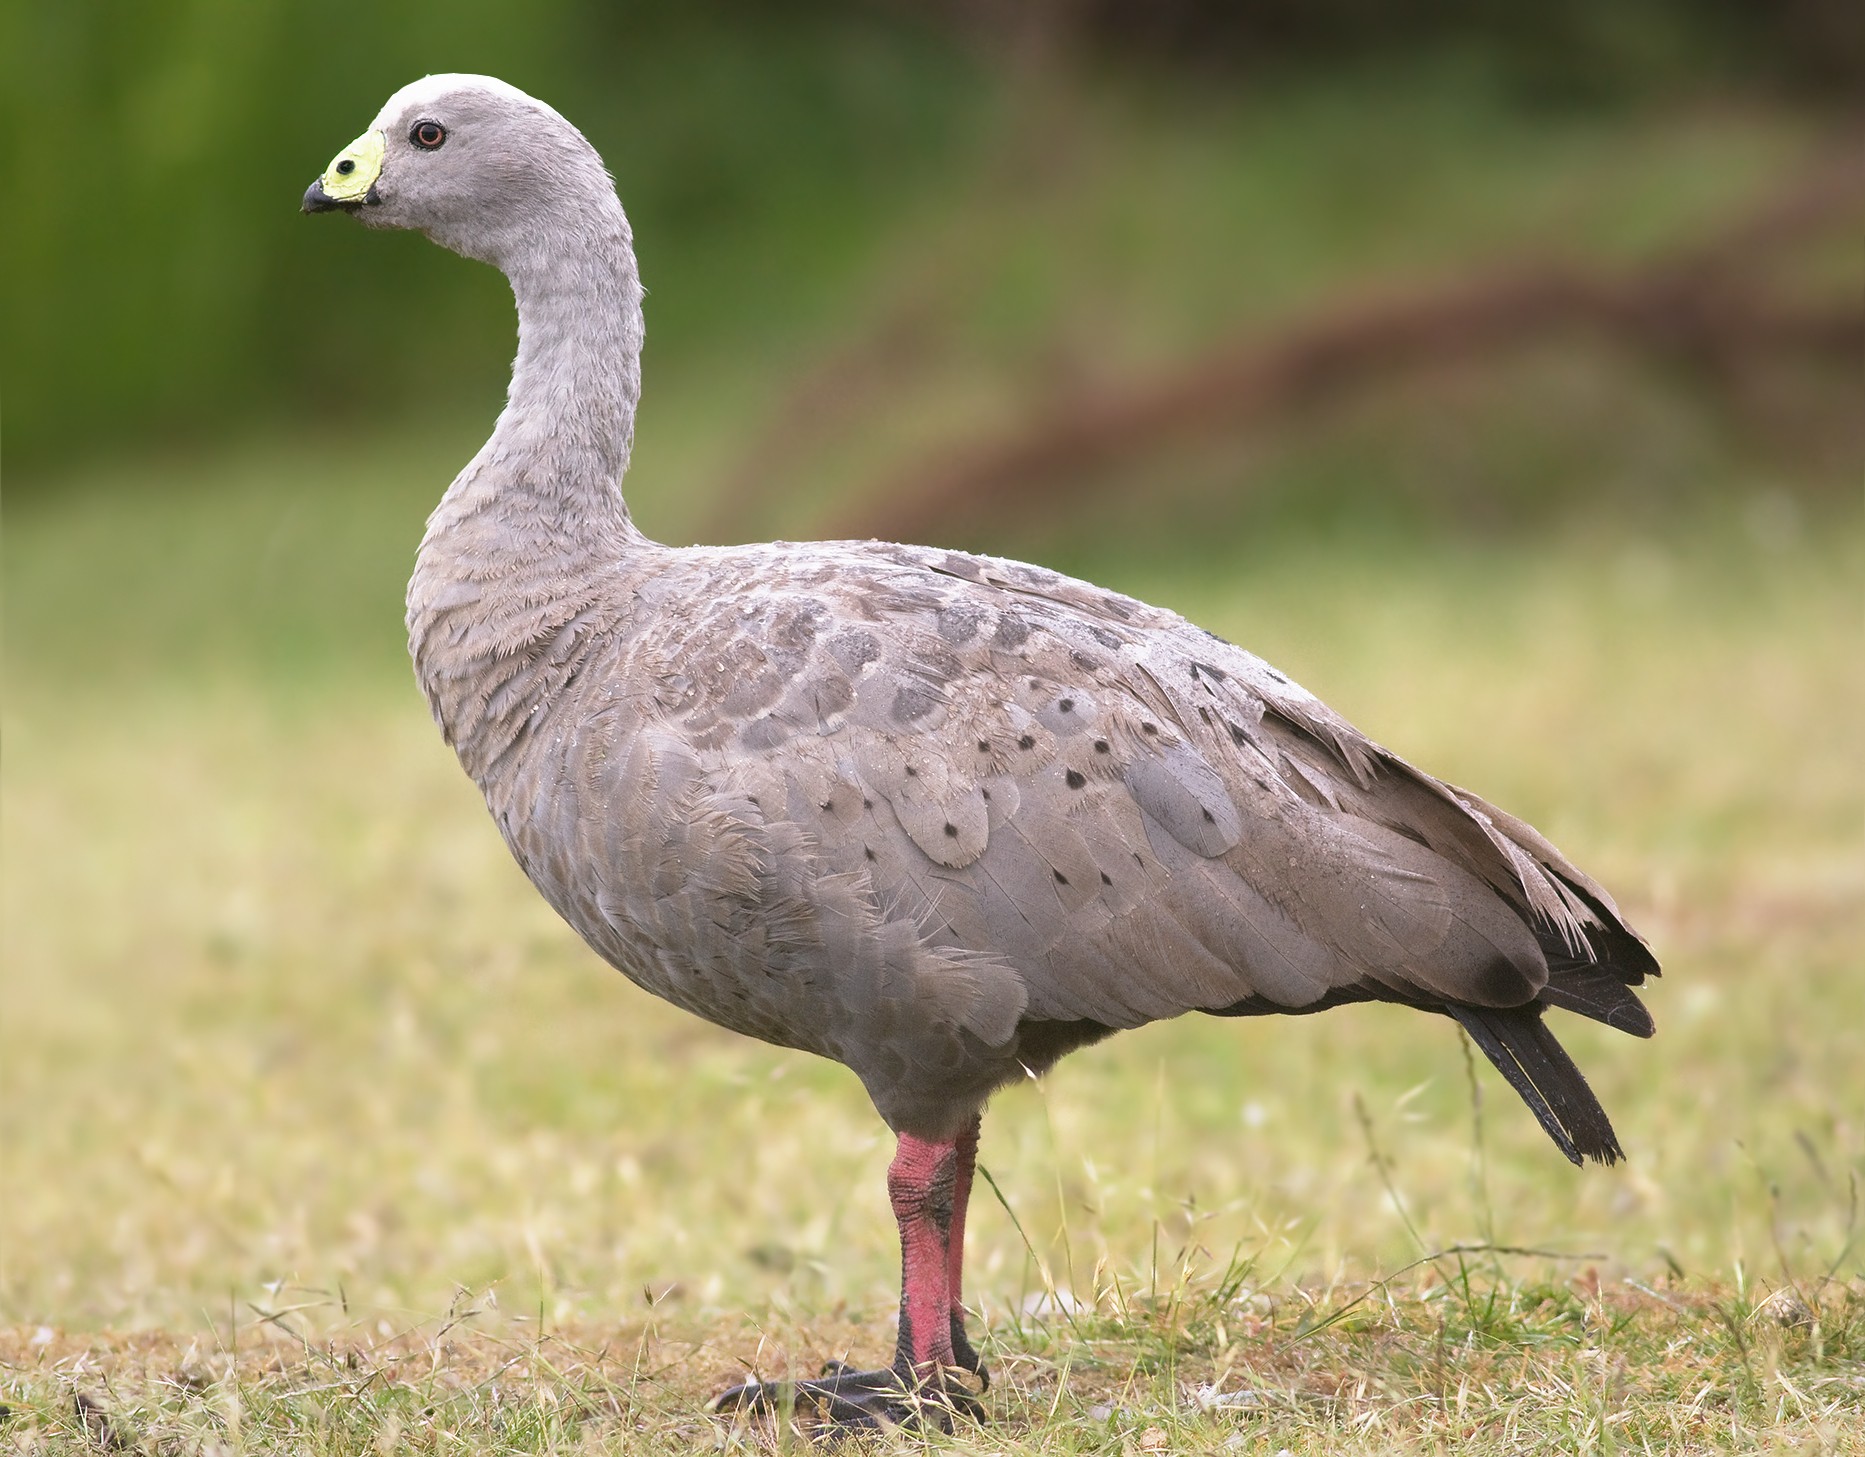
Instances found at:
x=1237 y=735
x=868 y=852
x=1026 y=742
x=959 y=621
x=913 y=703
x=1087 y=662
x=984 y=793
x=833 y=695
x=1061 y=879
x=1076 y=779
x=1105 y=638
x=867 y=804
x=1209 y=818
x=1275 y=675
x=1067 y=705
x=952 y=831
x=1204 y=713
x=1216 y=675
x=827 y=806
x=754 y=799
x=1036 y=682
x=854 y=649
x=753 y=685
x=1012 y=631
x=795 y=628
x=765 y=733
x=1100 y=746
x=912 y=773
x=1149 y=728
x=1106 y=879
x=984 y=746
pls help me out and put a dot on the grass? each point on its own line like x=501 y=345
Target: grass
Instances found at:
x=299 y=1071
x=318 y=1133
x=1454 y=1361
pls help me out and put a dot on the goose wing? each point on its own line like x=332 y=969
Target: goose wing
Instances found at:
x=1134 y=817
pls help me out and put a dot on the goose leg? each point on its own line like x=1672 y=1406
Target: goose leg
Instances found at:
x=962 y=1352
x=927 y=1184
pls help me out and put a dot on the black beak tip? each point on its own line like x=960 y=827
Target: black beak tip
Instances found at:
x=318 y=200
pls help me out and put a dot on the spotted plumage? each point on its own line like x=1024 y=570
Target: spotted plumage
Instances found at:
x=940 y=817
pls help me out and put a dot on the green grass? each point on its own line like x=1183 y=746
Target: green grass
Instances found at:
x=1458 y=1361
x=286 y=1031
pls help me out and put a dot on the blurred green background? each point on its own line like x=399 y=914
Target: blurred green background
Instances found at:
x=1496 y=370
x=785 y=165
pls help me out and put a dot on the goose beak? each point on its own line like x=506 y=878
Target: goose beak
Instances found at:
x=350 y=179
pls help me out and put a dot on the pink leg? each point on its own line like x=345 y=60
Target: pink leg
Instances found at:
x=962 y=1351
x=967 y=1151
x=928 y=1185
x=921 y=1185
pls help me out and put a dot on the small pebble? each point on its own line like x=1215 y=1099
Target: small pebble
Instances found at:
x=1211 y=1398
x=1785 y=1308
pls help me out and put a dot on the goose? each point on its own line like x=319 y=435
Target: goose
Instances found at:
x=943 y=818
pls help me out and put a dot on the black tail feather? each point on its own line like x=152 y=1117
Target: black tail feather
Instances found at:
x=1598 y=992
x=1538 y=1068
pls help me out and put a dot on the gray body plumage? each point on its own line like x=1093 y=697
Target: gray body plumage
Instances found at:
x=939 y=817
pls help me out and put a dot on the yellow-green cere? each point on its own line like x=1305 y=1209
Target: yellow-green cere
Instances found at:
x=354 y=170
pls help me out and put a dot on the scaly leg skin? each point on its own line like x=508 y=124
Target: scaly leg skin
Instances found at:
x=928 y=1185
x=962 y=1353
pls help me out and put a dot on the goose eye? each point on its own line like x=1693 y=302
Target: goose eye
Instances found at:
x=427 y=135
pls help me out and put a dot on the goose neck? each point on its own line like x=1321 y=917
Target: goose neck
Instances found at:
x=556 y=459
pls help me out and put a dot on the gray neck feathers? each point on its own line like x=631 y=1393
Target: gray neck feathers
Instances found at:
x=516 y=553
x=550 y=476
x=569 y=421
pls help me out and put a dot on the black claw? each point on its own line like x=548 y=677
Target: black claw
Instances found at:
x=966 y=1357
x=845 y=1398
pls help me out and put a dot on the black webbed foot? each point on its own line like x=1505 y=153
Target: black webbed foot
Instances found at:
x=844 y=1399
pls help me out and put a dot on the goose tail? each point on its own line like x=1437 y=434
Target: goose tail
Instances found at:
x=1538 y=1068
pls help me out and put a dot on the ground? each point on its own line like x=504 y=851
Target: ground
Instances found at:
x=320 y=1134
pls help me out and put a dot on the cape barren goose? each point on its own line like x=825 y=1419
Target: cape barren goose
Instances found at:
x=942 y=818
